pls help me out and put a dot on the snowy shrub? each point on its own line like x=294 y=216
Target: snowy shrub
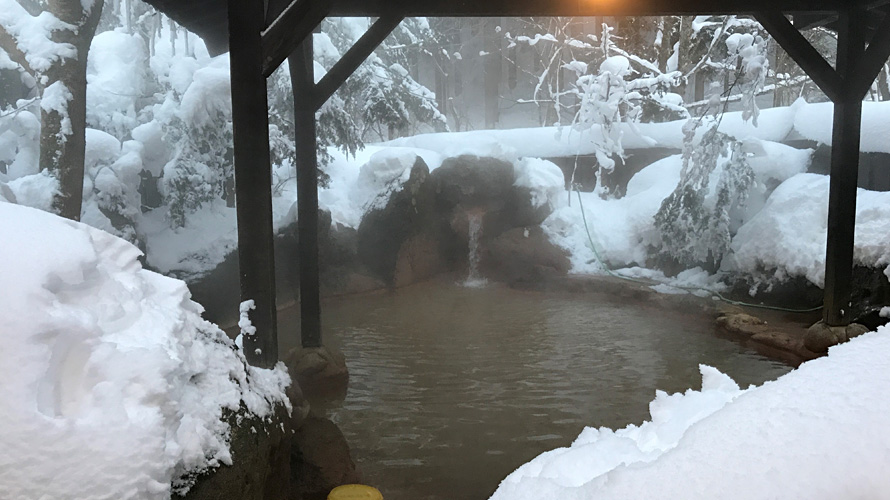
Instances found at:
x=118 y=82
x=694 y=221
x=751 y=52
x=196 y=175
x=111 y=198
x=601 y=98
x=201 y=169
x=19 y=143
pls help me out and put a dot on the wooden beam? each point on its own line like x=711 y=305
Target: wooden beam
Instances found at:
x=290 y=28
x=588 y=8
x=354 y=57
x=303 y=81
x=208 y=17
x=875 y=58
x=803 y=53
x=253 y=180
x=844 y=175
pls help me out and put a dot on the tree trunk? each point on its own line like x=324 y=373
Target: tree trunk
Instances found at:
x=685 y=60
x=63 y=109
x=491 y=72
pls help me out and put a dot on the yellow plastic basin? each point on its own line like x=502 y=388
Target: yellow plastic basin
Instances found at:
x=355 y=492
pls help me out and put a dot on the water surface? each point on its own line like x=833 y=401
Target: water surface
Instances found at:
x=452 y=388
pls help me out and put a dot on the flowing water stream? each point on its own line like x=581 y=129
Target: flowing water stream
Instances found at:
x=452 y=388
x=474 y=277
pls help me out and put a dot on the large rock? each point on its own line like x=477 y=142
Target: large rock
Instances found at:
x=321 y=460
x=261 y=454
x=407 y=225
x=741 y=323
x=318 y=371
x=524 y=257
x=820 y=337
x=419 y=259
x=472 y=181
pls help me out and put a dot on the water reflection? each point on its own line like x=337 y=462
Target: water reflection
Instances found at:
x=452 y=388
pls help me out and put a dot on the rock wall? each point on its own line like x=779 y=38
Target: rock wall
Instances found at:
x=416 y=230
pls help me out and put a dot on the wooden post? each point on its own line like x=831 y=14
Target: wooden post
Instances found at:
x=253 y=179
x=844 y=173
x=303 y=81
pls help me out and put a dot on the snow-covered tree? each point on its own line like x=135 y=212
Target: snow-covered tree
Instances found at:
x=694 y=221
x=382 y=97
x=52 y=46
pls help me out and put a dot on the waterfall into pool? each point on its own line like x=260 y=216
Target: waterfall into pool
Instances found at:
x=474 y=277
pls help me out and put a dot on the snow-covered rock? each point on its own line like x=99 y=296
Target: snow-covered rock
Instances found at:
x=113 y=385
x=789 y=234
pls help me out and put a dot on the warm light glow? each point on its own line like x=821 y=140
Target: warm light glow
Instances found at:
x=607 y=6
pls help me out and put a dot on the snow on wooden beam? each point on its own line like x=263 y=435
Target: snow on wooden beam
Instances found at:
x=253 y=179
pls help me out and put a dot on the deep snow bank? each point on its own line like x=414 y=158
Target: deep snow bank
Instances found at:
x=818 y=432
x=112 y=384
x=548 y=142
x=790 y=233
x=623 y=230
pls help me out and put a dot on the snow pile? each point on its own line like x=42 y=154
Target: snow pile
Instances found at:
x=116 y=80
x=112 y=384
x=356 y=181
x=814 y=122
x=815 y=433
x=35 y=190
x=790 y=233
x=543 y=179
x=384 y=173
x=620 y=229
x=548 y=142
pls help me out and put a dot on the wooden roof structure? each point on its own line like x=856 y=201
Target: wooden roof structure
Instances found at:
x=209 y=19
x=260 y=35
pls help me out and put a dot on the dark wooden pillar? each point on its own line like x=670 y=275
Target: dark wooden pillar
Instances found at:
x=844 y=172
x=253 y=178
x=303 y=81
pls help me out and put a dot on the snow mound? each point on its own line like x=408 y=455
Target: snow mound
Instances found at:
x=543 y=178
x=788 y=235
x=548 y=142
x=113 y=386
x=815 y=433
x=814 y=122
x=385 y=167
x=620 y=229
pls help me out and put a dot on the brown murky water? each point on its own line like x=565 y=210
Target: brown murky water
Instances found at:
x=452 y=388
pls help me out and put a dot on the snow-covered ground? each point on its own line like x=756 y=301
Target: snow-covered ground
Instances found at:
x=800 y=120
x=816 y=433
x=113 y=386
